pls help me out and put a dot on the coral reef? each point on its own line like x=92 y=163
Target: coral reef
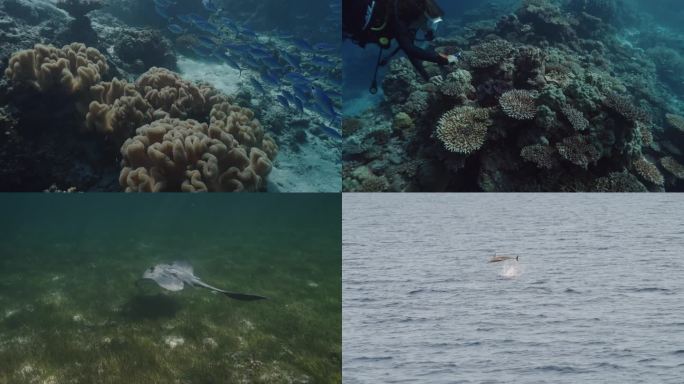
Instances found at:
x=574 y=98
x=185 y=155
x=138 y=50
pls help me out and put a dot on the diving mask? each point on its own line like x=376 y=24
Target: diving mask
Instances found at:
x=432 y=24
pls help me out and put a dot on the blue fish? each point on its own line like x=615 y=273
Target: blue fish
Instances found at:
x=302 y=44
x=176 y=29
x=324 y=102
x=185 y=19
x=206 y=42
x=257 y=85
x=269 y=79
x=301 y=92
x=331 y=132
x=163 y=12
x=296 y=78
x=299 y=104
x=210 y=6
x=283 y=101
x=325 y=47
x=205 y=26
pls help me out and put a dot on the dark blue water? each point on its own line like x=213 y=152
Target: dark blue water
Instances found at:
x=597 y=296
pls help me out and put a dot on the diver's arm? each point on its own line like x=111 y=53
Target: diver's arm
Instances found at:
x=418 y=65
x=406 y=41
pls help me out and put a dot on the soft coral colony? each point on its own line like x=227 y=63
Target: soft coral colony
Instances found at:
x=546 y=99
x=174 y=135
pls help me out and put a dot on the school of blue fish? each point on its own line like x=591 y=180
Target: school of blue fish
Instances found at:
x=301 y=75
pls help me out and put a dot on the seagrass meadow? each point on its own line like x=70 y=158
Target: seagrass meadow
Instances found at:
x=73 y=308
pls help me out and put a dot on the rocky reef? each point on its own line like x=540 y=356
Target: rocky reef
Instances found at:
x=553 y=97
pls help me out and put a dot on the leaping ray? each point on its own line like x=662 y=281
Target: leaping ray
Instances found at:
x=174 y=276
x=496 y=259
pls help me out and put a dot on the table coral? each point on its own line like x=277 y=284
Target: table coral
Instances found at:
x=519 y=104
x=71 y=69
x=675 y=121
x=463 y=129
x=542 y=155
x=458 y=84
x=648 y=171
x=489 y=53
x=575 y=118
x=673 y=166
x=578 y=150
x=619 y=182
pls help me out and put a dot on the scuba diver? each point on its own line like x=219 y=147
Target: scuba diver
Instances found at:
x=381 y=21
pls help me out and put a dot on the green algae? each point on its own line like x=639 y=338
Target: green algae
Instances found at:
x=72 y=312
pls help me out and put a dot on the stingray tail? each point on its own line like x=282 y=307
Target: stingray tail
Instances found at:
x=243 y=296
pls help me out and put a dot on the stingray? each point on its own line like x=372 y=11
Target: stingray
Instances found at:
x=496 y=259
x=175 y=276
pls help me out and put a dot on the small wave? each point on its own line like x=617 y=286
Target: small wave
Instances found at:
x=648 y=360
x=570 y=290
x=678 y=352
x=649 y=289
x=372 y=358
x=608 y=365
x=557 y=368
x=429 y=290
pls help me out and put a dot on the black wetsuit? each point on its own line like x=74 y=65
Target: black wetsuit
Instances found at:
x=384 y=26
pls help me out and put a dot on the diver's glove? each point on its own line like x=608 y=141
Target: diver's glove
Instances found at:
x=452 y=59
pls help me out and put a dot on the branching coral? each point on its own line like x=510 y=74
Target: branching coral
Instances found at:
x=675 y=121
x=463 y=129
x=648 y=171
x=171 y=96
x=489 y=53
x=624 y=106
x=457 y=83
x=619 y=182
x=71 y=69
x=117 y=108
x=644 y=132
x=673 y=166
x=519 y=104
x=173 y=155
x=575 y=118
x=578 y=150
x=542 y=155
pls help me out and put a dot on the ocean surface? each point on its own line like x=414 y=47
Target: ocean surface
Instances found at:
x=73 y=311
x=596 y=297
